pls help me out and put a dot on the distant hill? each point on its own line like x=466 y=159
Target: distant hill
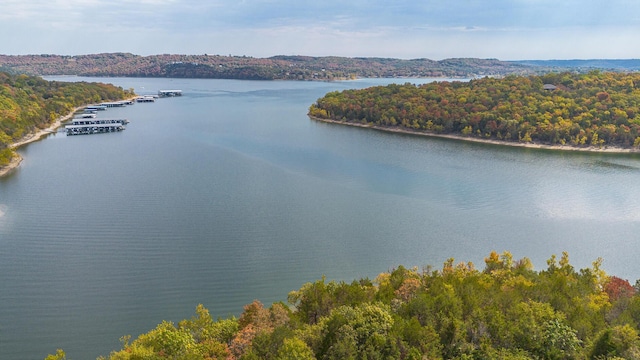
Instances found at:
x=243 y=67
x=283 y=67
x=599 y=64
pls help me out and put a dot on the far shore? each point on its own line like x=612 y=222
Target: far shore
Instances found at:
x=604 y=149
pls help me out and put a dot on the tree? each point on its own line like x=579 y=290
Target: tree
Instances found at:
x=559 y=340
x=619 y=341
x=295 y=349
x=349 y=332
x=508 y=311
x=618 y=288
x=59 y=355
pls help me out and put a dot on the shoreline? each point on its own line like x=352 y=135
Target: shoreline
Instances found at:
x=33 y=137
x=38 y=135
x=592 y=149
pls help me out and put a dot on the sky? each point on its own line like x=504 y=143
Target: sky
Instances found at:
x=405 y=29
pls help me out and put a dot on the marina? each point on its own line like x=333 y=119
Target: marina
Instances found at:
x=86 y=123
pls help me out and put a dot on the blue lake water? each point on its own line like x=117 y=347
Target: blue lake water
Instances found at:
x=230 y=193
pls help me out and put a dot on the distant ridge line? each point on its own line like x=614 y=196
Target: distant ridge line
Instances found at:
x=290 y=67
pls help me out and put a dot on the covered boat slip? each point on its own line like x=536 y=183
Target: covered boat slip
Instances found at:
x=93 y=128
x=83 y=121
x=114 y=104
x=96 y=108
x=103 y=106
x=166 y=93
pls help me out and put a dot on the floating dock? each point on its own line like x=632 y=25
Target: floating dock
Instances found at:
x=96 y=107
x=113 y=104
x=144 y=99
x=80 y=121
x=93 y=129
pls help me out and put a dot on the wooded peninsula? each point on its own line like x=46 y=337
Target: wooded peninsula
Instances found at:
x=505 y=311
x=595 y=110
x=29 y=104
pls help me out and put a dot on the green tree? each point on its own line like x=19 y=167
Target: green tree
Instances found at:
x=619 y=341
x=59 y=355
x=295 y=349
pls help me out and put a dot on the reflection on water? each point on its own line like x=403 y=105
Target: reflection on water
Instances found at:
x=608 y=164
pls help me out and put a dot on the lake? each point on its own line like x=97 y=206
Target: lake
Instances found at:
x=231 y=193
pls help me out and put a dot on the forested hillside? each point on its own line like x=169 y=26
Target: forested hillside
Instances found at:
x=594 y=109
x=243 y=67
x=505 y=311
x=28 y=103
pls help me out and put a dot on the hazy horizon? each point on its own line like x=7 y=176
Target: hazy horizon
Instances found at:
x=356 y=56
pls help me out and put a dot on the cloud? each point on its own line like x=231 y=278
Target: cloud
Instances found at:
x=507 y=29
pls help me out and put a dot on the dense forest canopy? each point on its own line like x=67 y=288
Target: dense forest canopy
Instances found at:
x=246 y=67
x=505 y=311
x=28 y=103
x=593 y=109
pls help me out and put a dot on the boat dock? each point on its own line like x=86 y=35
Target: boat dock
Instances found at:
x=93 y=129
x=114 y=104
x=80 y=121
x=144 y=99
x=96 y=107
